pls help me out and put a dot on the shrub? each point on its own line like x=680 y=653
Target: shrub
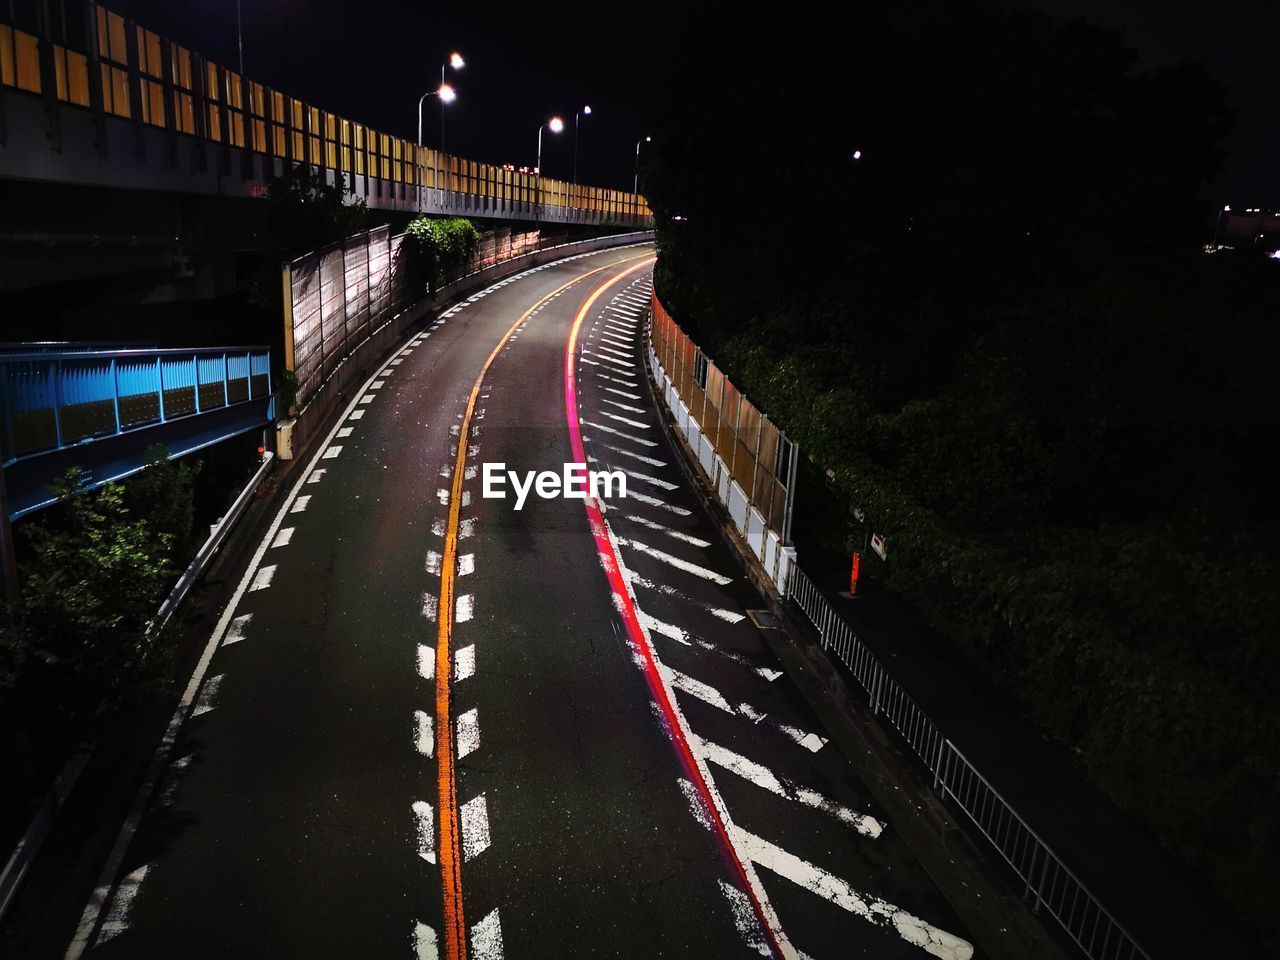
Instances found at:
x=439 y=249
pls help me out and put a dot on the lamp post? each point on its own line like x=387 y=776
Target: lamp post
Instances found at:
x=455 y=60
x=446 y=94
x=239 y=38
x=556 y=124
x=585 y=111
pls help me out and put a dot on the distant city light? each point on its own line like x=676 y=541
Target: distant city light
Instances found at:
x=857 y=154
x=556 y=124
x=446 y=93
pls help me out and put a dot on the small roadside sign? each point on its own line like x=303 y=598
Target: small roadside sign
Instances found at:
x=878 y=545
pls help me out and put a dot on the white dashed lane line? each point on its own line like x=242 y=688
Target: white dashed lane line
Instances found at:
x=208 y=696
x=424 y=732
x=676 y=534
x=262 y=579
x=684 y=565
x=721 y=613
x=620 y=433
x=764 y=778
x=116 y=921
x=684 y=637
x=235 y=632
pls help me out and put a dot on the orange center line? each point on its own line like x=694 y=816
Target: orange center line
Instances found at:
x=450 y=858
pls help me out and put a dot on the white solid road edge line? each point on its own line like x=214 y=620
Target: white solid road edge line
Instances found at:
x=107 y=879
x=770 y=916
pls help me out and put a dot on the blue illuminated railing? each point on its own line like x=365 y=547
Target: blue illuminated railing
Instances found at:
x=58 y=399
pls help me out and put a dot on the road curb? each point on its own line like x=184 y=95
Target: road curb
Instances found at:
x=1000 y=922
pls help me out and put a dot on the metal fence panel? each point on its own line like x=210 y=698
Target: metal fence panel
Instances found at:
x=1048 y=883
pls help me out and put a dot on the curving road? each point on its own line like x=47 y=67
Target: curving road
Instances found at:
x=433 y=725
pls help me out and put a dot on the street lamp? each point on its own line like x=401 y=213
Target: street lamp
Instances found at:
x=635 y=184
x=556 y=125
x=457 y=63
x=455 y=60
x=446 y=94
x=587 y=112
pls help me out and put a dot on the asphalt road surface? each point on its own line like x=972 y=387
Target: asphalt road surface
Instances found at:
x=433 y=725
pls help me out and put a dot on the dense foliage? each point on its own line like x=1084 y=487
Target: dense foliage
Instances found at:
x=94 y=570
x=308 y=212
x=439 y=249
x=997 y=328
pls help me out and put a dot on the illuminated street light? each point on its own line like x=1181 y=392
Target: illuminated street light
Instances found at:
x=556 y=124
x=585 y=111
x=446 y=94
x=455 y=60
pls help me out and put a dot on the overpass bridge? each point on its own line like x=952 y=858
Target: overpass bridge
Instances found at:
x=91 y=98
x=64 y=406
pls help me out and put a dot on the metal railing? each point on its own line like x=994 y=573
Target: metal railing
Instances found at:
x=57 y=399
x=96 y=98
x=1049 y=883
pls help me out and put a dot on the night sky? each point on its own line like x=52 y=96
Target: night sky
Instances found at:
x=371 y=61
x=1240 y=42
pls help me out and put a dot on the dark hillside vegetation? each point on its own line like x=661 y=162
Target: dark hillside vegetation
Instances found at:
x=999 y=330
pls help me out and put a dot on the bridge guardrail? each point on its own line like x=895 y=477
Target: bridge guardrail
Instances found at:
x=58 y=399
x=93 y=97
x=1049 y=883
